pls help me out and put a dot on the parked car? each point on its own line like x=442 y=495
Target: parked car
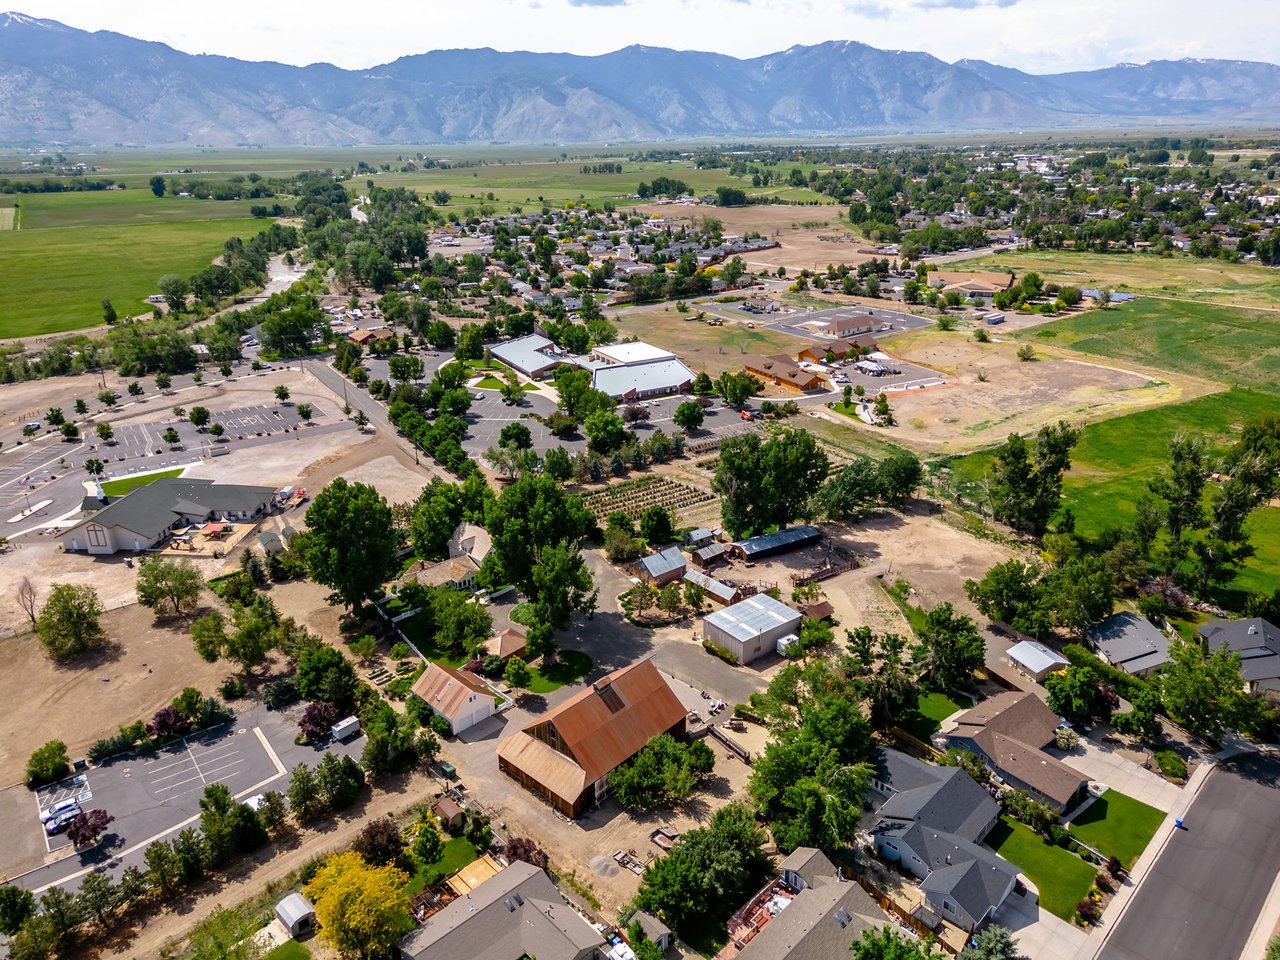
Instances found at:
x=58 y=809
x=61 y=822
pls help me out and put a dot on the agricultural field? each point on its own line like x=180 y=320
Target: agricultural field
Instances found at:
x=100 y=208
x=1236 y=346
x=1116 y=458
x=633 y=497
x=1190 y=278
x=54 y=281
x=561 y=182
x=8 y=214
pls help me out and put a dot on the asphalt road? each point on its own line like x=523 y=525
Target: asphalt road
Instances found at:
x=1203 y=895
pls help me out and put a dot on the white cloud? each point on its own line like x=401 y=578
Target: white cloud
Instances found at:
x=1032 y=35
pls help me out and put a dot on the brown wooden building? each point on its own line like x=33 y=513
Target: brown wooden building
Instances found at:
x=566 y=756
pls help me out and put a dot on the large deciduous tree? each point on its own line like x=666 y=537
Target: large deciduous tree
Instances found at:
x=69 y=621
x=764 y=483
x=361 y=910
x=169 y=587
x=351 y=545
x=1026 y=477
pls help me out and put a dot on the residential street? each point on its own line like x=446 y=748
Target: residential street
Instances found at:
x=1200 y=899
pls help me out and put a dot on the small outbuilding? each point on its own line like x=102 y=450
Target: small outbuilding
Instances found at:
x=297 y=915
x=780 y=541
x=1036 y=660
x=751 y=628
x=659 y=569
x=449 y=813
x=654 y=929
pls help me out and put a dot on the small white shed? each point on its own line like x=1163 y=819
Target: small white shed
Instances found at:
x=297 y=915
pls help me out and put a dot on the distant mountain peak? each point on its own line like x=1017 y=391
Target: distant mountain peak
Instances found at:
x=62 y=85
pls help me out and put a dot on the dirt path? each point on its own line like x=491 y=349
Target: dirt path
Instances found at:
x=270 y=865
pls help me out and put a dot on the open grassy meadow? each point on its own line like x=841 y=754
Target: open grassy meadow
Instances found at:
x=101 y=208
x=54 y=281
x=703 y=347
x=1236 y=346
x=1191 y=278
x=559 y=182
x=1116 y=458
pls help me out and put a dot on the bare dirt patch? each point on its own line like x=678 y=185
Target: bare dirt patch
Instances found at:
x=146 y=665
x=969 y=413
x=702 y=347
x=807 y=237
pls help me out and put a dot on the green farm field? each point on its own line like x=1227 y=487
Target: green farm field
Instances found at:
x=54 y=281
x=562 y=182
x=1116 y=458
x=1235 y=346
x=100 y=208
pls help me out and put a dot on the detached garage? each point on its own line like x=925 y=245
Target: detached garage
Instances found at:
x=752 y=628
x=1036 y=660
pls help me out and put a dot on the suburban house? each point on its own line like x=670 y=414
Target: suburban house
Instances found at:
x=567 y=754
x=1258 y=643
x=811 y=912
x=456 y=572
x=468 y=540
x=714 y=590
x=659 y=569
x=759 y=305
x=971 y=284
x=752 y=628
x=144 y=517
x=506 y=644
x=1035 y=660
x=518 y=913
x=460 y=697
x=654 y=929
x=1130 y=642
x=780 y=541
x=932 y=821
x=1008 y=731
x=630 y=371
x=534 y=356
x=782 y=371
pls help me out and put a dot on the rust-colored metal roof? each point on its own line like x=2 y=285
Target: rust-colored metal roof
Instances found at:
x=506 y=643
x=609 y=721
x=560 y=775
x=447 y=690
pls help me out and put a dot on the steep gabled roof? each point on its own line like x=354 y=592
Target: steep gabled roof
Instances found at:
x=953 y=803
x=447 y=690
x=1256 y=640
x=818 y=924
x=1022 y=716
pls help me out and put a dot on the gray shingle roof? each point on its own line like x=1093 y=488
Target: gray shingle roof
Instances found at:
x=1130 y=641
x=518 y=913
x=975 y=877
x=1256 y=640
x=818 y=924
x=954 y=804
x=153 y=509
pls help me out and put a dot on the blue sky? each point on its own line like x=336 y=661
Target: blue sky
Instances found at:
x=1039 y=36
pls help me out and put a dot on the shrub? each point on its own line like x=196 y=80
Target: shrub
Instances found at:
x=280 y=693
x=1088 y=910
x=1103 y=882
x=233 y=689
x=1171 y=765
x=716 y=650
x=440 y=725
x=400 y=650
x=1115 y=867
x=1057 y=834
x=47 y=764
x=317 y=720
x=1127 y=685
x=110 y=746
x=1064 y=738
x=168 y=724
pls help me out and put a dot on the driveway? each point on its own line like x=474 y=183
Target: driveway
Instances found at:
x=1040 y=934
x=1202 y=896
x=1103 y=763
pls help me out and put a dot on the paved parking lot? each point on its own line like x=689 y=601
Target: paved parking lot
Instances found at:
x=154 y=796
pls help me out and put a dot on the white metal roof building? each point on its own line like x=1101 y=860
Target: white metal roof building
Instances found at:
x=1036 y=659
x=534 y=356
x=634 y=380
x=750 y=629
x=635 y=352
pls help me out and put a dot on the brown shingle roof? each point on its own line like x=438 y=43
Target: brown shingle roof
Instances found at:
x=1020 y=716
x=783 y=370
x=1045 y=774
x=505 y=644
x=448 y=690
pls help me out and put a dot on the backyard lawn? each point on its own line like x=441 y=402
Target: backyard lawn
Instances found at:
x=934 y=707
x=292 y=950
x=458 y=852
x=1062 y=878
x=1118 y=826
x=118 y=488
x=570 y=667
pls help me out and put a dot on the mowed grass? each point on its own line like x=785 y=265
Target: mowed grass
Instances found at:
x=1235 y=346
x=100 y=208
x=1117 y=825
x=570 y=667
x=458 y=852
x=289 y=950
x=1062 y=878
x=54 y=281
x=118 y=488
x=934 y=707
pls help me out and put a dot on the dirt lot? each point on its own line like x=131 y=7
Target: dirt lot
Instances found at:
x=968 y=413
x=798 y=231
x=146 y=665
x=713 y=349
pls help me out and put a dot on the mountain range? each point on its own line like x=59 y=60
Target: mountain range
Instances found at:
x=61 y=85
